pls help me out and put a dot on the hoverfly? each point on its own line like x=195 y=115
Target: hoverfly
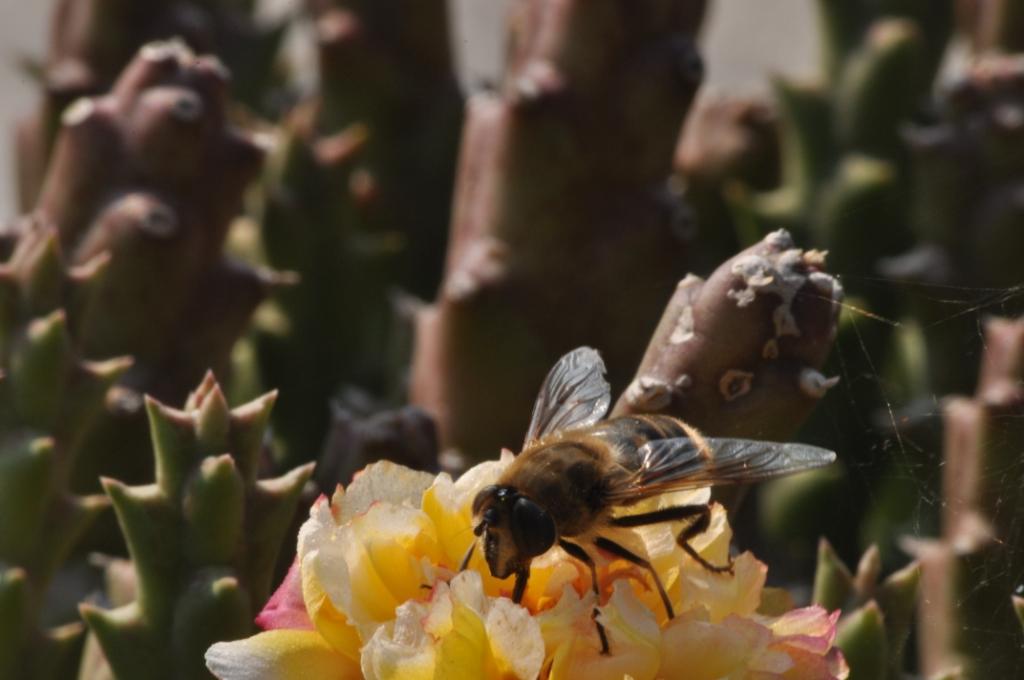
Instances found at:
x=575 y=468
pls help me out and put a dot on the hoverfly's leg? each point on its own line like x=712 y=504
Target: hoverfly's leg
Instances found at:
x=580 y=554
x=694 y=530
x=614 y=548
x=664 y=515
x=522 y=576
x=702 y=513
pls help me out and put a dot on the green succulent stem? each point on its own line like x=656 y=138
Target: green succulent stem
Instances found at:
x=203 y=538
x=878 y=613
x=833 y=582
x=49 y=397
x=862 y=637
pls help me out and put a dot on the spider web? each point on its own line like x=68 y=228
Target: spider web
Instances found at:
x=895 y=469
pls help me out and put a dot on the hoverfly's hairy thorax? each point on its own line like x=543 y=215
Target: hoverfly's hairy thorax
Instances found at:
x=570 y=472
x=568 y=475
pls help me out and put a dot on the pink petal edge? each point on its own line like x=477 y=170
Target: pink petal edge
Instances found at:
x=286 y=608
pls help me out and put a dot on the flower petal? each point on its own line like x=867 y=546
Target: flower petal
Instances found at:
x=369 y=557
x=575 y=648
x=329 y=622
x=372 y=564
x=451 y=518
x=286 y=607
x=464 y=653
x=383 y=482
x=458 y=634
x=280 y=655
x=694 y=648
x=808 y=622
x=516 y=642
x=724 y=594
x=449 y=505
x=382 y=549
x=400 y=650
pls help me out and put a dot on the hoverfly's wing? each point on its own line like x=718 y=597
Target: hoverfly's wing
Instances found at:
x=574 y=394
x=680 y=463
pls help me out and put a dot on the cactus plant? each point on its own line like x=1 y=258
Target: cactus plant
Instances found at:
x=92 y=41
x=966 y=171
x=578 y=204
x=739 y=355
x=356 y=203
x=48 y=397
x=992 y=25
x=844 y=166
x=729 y=147
x=843 y=162
x=968 y=619
x=203 y=538
x=561 y=222
x=151 y=175
x=967 y=214
x=877 y=613
x=390 y=68
x=845 y=173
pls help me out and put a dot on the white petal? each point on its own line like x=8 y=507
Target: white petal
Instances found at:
x=279 y=655
x=468 y=588
x=515 y=638
x=385 y=482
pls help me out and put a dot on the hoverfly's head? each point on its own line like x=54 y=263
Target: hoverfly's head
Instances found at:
x=515 y=529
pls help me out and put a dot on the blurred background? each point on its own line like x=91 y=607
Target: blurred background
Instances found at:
x=743 y=43
x=788 y=220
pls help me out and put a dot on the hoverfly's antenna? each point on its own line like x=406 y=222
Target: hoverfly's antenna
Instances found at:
x=477 y=530
x=469 y=554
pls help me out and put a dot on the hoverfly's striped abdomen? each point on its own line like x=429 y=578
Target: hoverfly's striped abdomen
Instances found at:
x=626 y=434
x=635 y=431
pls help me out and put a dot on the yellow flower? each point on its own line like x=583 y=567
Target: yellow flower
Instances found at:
x=375 y=593
x=458 y=633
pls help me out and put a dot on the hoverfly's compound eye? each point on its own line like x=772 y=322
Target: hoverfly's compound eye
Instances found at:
x=532 y=528
x=484 y=495
x=492 y=517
